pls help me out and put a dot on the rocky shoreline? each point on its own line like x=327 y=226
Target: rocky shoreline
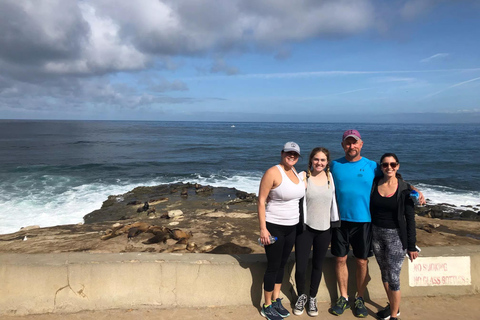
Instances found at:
x=185 y=217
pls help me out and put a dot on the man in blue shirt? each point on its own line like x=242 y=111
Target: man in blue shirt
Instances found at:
x=353 y=176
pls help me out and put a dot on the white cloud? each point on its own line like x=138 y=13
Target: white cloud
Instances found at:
x=220 y=66
x=332 y=73
x=414 y=8
x=91 y=37
x=166 y=86
x=450 y=87
x=394 y=79
x=62 y=52
x=438 y=56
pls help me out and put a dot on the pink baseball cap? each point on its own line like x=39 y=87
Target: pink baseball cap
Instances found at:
x=351 y=133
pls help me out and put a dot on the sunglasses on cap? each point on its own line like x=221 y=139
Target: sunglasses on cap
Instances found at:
x=391 y=164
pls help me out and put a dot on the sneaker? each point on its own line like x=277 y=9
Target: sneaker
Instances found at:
x=385 y=313
x=312 y=307
x=340 y=306
x=277 y=305
x=300 y=305
x=360 y=309
x=270 y=313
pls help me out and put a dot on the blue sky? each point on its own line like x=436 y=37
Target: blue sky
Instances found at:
x=241 y=60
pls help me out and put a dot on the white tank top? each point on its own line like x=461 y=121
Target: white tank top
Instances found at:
x=283 y=201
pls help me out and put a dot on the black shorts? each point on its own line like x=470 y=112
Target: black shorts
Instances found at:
x=357 y=234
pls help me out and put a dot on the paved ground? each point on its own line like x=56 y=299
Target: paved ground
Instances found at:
x=425 y=308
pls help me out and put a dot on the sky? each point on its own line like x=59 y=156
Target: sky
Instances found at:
x=241 y=60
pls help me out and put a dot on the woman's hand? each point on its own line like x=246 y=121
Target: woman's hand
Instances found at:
x=265 y=237
x=412 y=255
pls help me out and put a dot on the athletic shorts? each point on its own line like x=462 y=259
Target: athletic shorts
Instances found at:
x=356 y=234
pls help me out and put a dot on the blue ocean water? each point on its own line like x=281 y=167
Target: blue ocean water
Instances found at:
x=55 y=172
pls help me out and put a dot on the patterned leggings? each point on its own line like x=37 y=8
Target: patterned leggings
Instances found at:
x=387 y=247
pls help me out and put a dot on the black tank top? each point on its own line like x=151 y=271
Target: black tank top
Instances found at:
x=384 y=210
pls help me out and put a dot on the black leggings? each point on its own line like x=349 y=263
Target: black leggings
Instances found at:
x=303 y=244
x=278 y=253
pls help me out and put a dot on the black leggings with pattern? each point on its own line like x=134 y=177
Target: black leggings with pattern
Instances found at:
x=389 y=253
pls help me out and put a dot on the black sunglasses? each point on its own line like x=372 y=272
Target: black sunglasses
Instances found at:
x=391 y=164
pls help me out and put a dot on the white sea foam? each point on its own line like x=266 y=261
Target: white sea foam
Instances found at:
x=45 y=208
x=455 y=197
x=245 y=183
x=48 y=209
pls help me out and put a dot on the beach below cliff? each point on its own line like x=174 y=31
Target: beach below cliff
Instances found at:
x=192 y=218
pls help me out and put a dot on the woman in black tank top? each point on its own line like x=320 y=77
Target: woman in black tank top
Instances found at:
x=393 y=228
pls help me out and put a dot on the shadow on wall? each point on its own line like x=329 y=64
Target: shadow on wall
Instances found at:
x=329 y=281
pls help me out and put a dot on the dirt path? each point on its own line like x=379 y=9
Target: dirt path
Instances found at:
x=424 y=308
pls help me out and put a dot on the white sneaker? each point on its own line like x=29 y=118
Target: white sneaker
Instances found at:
x=300 y=305
x=312 y=307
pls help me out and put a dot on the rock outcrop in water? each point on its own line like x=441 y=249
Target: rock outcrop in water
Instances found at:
x=448 y=211
x=185 y=217
x=148 y=202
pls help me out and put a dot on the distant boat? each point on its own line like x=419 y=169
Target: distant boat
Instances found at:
x=232 y=126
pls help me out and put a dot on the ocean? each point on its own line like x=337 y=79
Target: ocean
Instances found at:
x=55 y=172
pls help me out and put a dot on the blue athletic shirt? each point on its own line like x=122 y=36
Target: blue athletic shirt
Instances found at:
x=353 y=184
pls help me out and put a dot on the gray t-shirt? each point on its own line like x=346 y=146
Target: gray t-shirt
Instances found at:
x=319 y=200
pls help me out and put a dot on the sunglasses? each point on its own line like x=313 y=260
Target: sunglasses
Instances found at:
x=391 y=164
x=292 y=154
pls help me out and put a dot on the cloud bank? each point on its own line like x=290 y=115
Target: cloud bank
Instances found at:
x=64 y=53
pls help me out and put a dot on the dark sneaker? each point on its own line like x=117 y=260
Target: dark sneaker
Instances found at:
x=270 y=313
x=277 y=305
x=300 y=305
x=340 y=306
x=312 y=307
x=385 y=313
x=360 y=309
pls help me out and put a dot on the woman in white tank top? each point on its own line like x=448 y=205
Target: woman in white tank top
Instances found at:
x=278 y=214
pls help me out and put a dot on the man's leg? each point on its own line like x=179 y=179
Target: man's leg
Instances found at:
x=340 y=247
x=361 y=241
x=342 y=278
x=341 y=271
x=362 y=276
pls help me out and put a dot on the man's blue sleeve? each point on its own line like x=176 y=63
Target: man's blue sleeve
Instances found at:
x=378 y=171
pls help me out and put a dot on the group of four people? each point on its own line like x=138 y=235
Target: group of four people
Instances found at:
x=349 y=201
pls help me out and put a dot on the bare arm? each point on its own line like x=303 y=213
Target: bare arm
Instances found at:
x=266 y=184
x=421 y=198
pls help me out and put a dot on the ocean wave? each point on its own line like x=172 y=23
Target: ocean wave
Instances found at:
x=443 y=194
x=58 y=200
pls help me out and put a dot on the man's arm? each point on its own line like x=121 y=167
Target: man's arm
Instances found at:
x=421 y=198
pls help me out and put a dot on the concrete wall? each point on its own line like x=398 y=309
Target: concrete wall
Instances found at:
x=71 y=282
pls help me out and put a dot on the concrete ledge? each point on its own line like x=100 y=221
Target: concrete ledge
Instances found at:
x=72 y=282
